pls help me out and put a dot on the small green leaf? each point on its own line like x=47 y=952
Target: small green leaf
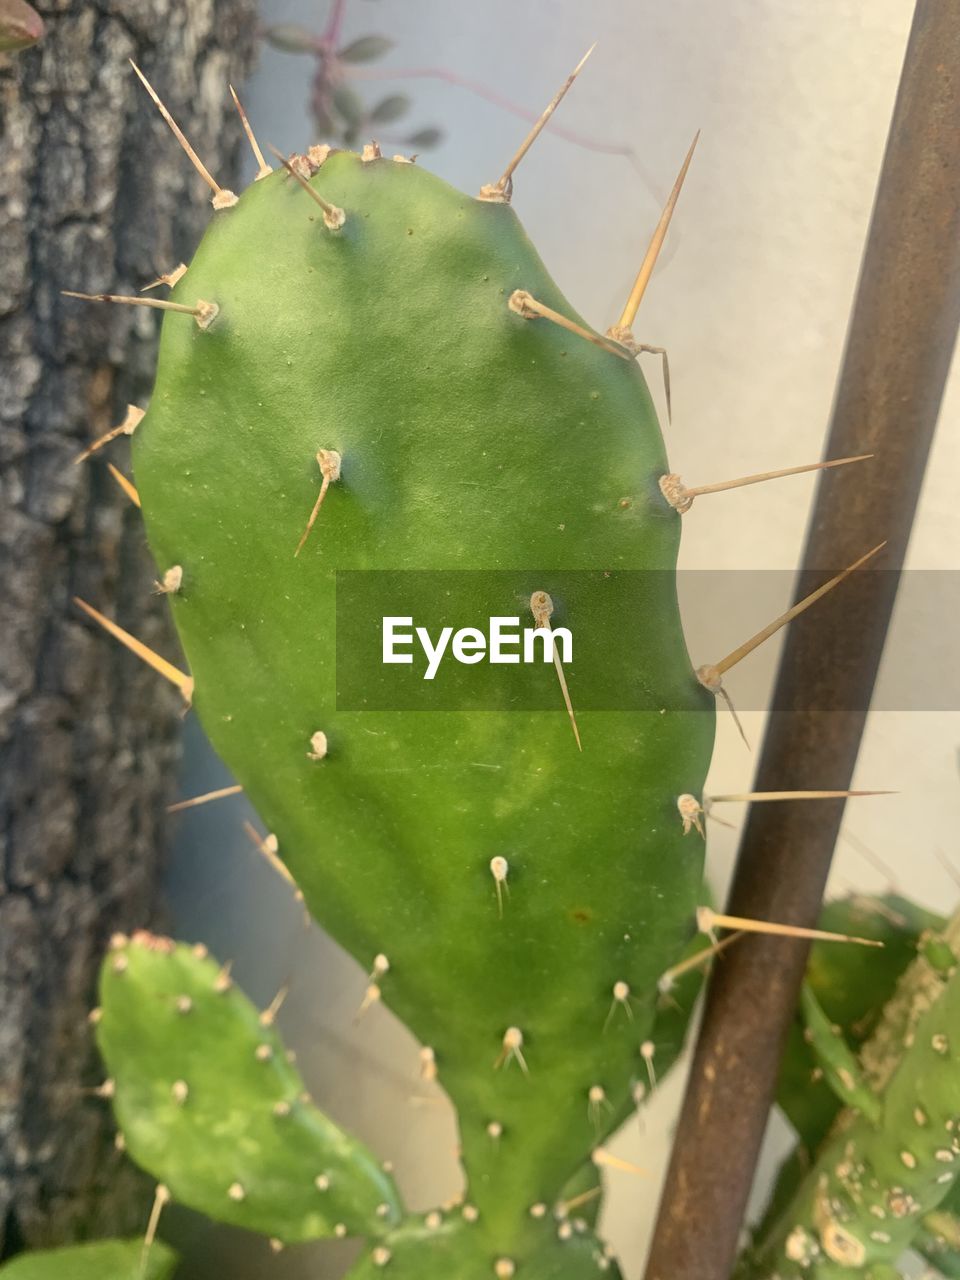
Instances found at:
x=20 y=26
x=366 y=49
x=349 y=104
x=425 y=138
x=290 y=38
x=104 y=1260
x=390 y=109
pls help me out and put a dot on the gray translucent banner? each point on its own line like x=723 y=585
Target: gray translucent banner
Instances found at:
x=613 y=630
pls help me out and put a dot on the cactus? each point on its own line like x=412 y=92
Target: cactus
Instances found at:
x=523 y=897
x=104 y=1260
x=207 y=1100
x=524 y=887
x=883 y=1178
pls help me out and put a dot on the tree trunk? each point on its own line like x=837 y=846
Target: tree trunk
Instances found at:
x=95 y=195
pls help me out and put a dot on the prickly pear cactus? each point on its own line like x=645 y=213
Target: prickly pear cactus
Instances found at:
x=471 y=438
x=104 y=1260
x=885 y=1154
x=365 y=374
x=517 y=882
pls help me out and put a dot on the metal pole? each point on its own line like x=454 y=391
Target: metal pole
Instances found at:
x=898 y=353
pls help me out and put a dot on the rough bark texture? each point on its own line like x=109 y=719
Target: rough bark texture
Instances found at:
x=94 y=195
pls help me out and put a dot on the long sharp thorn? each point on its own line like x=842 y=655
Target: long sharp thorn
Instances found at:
x=566 y=698
x=563 y=1209
x=207 y=796
x=134 y=416
x=708 y=920
x=721 y=691
x=164 y=668
x=948 y=866
x=501 y=190
x=222 y=199
x=603 y=1158
x=680 y=497
x=632 y=306
x=324 y=486
x=126 y=485
x=669 y=976
x=161 y=1198
x=757 y=797
x=868 y=854
x=526 y=305
x=203 y=312
x=665 y=364
x=333 y=217
x=541 y=606
x=263 y=168
x=710 y=675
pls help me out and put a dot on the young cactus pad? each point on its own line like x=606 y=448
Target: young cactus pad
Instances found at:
x=105 y=1260
x=458 y=430
x=208 y=1102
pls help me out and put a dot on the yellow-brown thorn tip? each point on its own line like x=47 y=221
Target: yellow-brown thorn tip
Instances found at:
x=499 y=192
x=604 y=1159
x=669 y=976
x=632 y=305
x=526 y=305
x=333 y=216
x=263 y=168
x=132 y=419
x=126 y=485
x=222 y=199
x=206 y=798
x=164 y=668
x=681 y=498
x=169 y=278
x=203 y=312
x=708 y=920
x=710 y=675
x=758 y=797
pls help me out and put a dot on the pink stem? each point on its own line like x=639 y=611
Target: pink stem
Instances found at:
x=331 y=35
x=506 y=104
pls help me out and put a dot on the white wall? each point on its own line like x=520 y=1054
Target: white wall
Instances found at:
x=752 y=298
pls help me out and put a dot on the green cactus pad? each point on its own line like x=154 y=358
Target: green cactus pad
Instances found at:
x=444 y=1249
x=471 y=439
x=838 y=1064
x=852 y=985
x=104 y=1260
x=876 y=1181
x=209 y=1104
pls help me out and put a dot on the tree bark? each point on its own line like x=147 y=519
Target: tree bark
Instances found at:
x=95 y=195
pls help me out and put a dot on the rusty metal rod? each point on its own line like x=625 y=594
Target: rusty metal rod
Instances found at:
x=898 y=352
